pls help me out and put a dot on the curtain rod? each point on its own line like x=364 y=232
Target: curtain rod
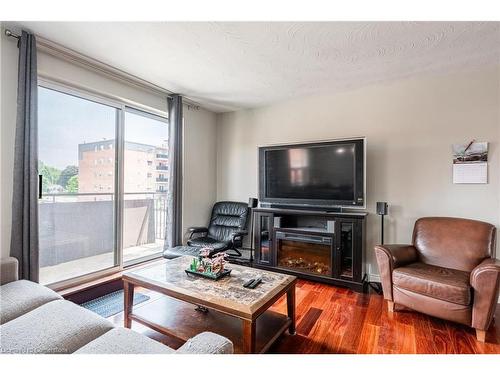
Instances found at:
x=61 y=51
x=9 y=33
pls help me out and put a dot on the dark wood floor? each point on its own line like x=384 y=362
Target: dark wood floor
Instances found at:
x=338 y=320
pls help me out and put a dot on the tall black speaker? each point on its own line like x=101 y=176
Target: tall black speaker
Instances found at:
x=252 y=203
x=382 y=210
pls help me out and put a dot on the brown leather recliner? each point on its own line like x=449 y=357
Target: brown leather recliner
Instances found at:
x=449 y=271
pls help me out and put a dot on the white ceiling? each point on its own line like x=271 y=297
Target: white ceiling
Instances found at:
x=231 y=65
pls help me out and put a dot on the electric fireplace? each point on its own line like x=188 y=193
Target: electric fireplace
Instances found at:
x=304 y=253
x=315 y=245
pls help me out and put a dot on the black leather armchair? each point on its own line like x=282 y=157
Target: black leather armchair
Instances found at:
x=226 y=230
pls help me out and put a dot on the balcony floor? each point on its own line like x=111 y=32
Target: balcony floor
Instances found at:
x=83 y=266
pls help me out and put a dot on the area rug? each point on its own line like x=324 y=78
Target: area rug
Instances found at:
x=112 y=303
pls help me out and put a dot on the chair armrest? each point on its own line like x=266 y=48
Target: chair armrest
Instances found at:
x=240 y=234
x=207 y=343
x=485 y=280
x=390 y=257
x=399 y=255
x=193 y=230
x=8 y=270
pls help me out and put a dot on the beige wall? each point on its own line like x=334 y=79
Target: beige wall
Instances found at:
x=410 y=126
x=8 y=56
x=199 y=166
x=498 y=128
x=199 y=139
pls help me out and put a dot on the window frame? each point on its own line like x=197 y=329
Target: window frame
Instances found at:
x=121 y=107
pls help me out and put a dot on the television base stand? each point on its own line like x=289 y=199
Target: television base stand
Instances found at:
x=316 y=245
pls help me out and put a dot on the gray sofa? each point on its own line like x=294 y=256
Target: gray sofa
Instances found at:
x=34 y=319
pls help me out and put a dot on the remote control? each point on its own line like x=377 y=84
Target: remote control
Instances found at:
x=248 y=283
x=255 y=283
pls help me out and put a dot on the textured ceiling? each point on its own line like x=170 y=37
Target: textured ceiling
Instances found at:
x=226 y=66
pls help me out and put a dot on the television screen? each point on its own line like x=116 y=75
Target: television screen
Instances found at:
x=328 y=172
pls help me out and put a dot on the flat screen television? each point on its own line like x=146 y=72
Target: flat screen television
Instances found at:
x=320 y=174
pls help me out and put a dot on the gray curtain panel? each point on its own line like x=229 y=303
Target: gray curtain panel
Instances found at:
x=174 y=209
x=24 y=236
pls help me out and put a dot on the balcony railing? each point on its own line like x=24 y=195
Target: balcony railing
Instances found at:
x=162 y=167
x=162 y=156
x=78 y=225
x=161 y=179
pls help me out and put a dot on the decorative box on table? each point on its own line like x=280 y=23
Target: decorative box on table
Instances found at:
x=209 y=267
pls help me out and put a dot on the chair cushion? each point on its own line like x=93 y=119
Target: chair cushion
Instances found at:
x=124 y=341
x=208 y=241
x=56 y=327
x=19 y=297
x=178 y=251
x=456 y=243
x=438 y=282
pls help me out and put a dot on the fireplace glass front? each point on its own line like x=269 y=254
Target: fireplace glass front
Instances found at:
x=308 y=254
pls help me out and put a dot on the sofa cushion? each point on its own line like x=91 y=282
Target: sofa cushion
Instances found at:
x=438 y=282
x=124 y=341
x=19 y=297
x=56 y=327
x=207 y=343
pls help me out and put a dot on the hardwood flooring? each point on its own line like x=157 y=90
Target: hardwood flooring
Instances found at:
x=338 y=320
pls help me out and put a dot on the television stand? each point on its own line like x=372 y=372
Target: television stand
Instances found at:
x=317 y=245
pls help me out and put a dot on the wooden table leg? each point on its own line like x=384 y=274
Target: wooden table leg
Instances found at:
x=128 y=291
x=248 y=336
x=290 y=306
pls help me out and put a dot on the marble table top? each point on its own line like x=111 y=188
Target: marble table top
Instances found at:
x=228 y=293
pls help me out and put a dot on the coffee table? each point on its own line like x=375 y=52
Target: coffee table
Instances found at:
x=226 y=298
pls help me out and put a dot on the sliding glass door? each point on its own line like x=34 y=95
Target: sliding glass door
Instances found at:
x=104 y=170
x=145 y=185
x=77 y=159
